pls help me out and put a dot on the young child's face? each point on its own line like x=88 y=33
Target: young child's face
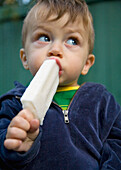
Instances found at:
x=67 y=43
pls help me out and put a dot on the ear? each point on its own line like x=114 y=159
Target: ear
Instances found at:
x=89 y=62
x=24 y=58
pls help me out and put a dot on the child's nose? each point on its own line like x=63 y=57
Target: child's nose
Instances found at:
x=55 y=50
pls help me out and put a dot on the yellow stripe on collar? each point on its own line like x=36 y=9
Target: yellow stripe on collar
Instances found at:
x=67 y=88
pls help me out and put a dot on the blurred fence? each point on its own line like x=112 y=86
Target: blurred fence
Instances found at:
x=107 y=25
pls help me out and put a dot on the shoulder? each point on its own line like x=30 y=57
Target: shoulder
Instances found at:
x=98 y=98
x=93 y=87
x=10 y=102
x=96 y=91
x=17 y=91
x=92 y=91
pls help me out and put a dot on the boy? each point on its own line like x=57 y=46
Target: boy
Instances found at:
x=91 y=138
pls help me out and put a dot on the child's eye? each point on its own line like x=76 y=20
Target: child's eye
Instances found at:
x=44 y=38
x=72 y=41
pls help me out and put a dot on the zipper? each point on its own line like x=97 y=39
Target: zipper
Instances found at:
x=17 y=97
x=66 y=119
x=65 y=112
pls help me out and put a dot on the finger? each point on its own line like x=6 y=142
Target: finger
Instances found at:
x=26 y=114
x=34 y=125
x=20 y=122
x=16 y=133
x=12 y=144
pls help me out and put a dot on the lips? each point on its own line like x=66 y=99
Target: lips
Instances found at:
x=58 y=63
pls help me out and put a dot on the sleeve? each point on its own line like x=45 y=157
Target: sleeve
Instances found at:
x=8 y=158
x=111 y=152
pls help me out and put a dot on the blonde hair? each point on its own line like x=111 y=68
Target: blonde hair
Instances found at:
x=75 y=9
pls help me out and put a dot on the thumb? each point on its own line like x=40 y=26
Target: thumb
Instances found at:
x=34 y=125
x=34 y=129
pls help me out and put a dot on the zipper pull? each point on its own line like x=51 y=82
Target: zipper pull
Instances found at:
x=66 y=119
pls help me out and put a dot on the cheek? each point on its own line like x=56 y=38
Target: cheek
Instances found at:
x=75 y=66
x=34 y=63
x=33 y=67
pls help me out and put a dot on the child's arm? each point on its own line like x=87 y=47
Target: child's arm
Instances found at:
x=111 y=134
x=111 y=153
x=10 y=106
x=22 y=131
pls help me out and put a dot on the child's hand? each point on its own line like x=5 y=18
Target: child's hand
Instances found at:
x=22 y=131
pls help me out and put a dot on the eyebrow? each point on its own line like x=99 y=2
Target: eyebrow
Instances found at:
x=73 y=30
x=37 y=27
x=68 y=30
x=77 y=30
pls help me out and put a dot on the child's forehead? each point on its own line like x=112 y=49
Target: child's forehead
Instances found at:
x=41 y=19
x=61 y=22
x=43 y=14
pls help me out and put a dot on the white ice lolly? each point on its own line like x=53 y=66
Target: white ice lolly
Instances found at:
x=39 y=94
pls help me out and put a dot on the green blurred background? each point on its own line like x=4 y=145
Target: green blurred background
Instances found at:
x=107 y=24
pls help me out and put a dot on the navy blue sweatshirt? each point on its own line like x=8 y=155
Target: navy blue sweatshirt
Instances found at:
x=90 y=141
